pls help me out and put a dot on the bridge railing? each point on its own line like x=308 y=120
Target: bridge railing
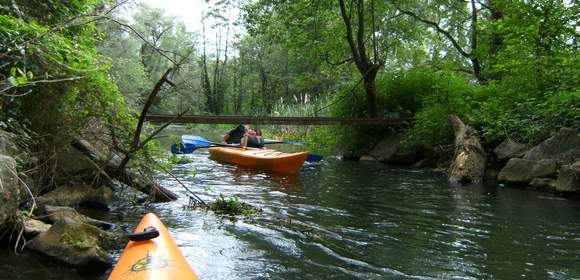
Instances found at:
x=161 y=118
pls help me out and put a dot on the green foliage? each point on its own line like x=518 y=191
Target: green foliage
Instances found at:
x=232 y=206
x=175 y=159
x=506 y=113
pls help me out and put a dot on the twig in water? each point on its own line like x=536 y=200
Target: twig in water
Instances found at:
x=182 y=184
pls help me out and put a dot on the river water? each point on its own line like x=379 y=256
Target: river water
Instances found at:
x=353 y=220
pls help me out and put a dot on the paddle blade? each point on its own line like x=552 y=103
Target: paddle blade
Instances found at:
x=196 y=141
x=181 y=148
x=267 y=141
x=314 y=158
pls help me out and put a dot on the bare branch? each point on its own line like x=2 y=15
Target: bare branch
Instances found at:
x=159 y=129
x=136 y=137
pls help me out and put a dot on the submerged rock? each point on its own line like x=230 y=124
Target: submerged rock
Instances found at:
x=79 y=245
x=9 y=188
x=70 y=195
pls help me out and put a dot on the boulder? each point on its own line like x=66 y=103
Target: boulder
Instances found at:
x=34 y=227
x=543 y=183
x=78 y=245
x=8 y=144
x=353 y=154
x=386 y=148
x=510 y=149
x=61 y=214
x=71 y=161
x=367 y=158
x=569 y=178
x=70 y=195
x=564 y=147
x=519 y=170
x=9 y=188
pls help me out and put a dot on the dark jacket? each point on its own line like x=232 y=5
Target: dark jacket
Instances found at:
x=255 y=141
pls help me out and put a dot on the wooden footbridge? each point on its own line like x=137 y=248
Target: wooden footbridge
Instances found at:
x=163 y=118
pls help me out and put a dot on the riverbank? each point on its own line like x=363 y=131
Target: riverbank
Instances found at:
x=553 y=164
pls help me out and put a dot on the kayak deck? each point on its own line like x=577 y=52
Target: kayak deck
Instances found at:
x=158 y=258
x=263 y=159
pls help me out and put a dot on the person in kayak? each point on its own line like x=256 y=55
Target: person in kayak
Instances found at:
x=235 y=135
x=253 y=138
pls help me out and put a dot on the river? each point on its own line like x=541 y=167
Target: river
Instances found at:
x=353 y=220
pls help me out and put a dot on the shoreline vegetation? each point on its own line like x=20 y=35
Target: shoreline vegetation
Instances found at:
x=492 y=88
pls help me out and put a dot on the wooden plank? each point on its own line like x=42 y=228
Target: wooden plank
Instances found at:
x=161 y=118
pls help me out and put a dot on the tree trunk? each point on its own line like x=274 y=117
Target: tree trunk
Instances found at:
x=127 y=177
x=370 y=90
x=468 y=163
x=365 y=66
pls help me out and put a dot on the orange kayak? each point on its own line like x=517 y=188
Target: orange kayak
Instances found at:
x=153 y=257
x=263 y=159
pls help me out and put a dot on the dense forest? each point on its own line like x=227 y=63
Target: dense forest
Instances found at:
x=508 y=68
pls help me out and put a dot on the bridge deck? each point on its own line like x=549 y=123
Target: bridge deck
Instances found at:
x=160 y=118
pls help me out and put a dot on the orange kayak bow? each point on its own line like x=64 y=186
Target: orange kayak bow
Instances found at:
x=152 y=254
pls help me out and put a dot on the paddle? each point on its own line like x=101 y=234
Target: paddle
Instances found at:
x=192 y=142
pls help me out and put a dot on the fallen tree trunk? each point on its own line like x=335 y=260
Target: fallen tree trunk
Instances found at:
x=125 y=175
x=468 y=163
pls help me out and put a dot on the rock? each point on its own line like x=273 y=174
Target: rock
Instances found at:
x=404 y=157
x=352 y=154
x=569 y=178
x=69 y=195
x=510 y=149
x=34 y=227
x=564 y=147
x=71 y=161
x=386 y=148
x=543 y=183
x=491 y=173
x=79 y=245
x=9 y=188
x=61 y=214
x=367 y=158
x=519 y=170
x=430 y=162
x=8 y=144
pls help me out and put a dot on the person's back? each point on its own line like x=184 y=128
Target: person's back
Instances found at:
x=235 y=135
x=253 y=139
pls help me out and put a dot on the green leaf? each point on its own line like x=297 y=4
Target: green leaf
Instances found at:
x=13 y=81
x=21 y=80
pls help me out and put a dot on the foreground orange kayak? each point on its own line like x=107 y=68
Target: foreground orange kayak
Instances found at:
x=263 y=159
x=152 y=257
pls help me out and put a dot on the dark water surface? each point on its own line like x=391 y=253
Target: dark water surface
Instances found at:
x=348 y=220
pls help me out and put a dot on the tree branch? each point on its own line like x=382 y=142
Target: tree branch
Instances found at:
x=137 y=136
x=440 y=30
